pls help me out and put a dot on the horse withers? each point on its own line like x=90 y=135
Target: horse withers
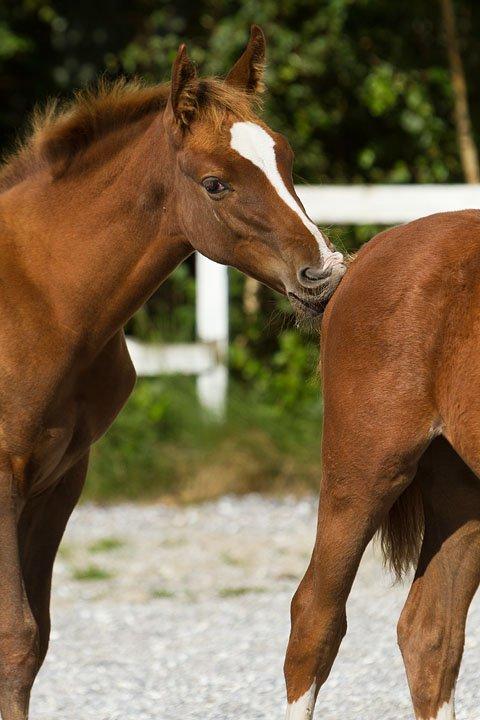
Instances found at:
x=401 y=375
x=97 y=208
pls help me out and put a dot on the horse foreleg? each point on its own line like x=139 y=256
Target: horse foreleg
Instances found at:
x=18 y=629
x=431 y=630
x=41 y=529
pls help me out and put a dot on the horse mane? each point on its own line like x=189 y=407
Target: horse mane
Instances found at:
x=62 y=130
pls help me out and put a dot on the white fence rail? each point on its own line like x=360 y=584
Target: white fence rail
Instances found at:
x=383 y=204
x=328 y=204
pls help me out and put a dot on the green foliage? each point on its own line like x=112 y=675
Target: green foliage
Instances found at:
x=170 y=312
x=350 y=81
x=10 y=43
x=284 y=380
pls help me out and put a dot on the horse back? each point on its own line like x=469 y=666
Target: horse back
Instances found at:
x=404 y=324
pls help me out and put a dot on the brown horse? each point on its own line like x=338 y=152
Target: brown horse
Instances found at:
x=104 y=200
x=401 y=372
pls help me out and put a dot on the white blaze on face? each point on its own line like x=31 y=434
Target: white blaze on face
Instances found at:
x=302 y=709
x=254 y=143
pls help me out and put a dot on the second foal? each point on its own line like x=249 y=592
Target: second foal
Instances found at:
x=401 y=451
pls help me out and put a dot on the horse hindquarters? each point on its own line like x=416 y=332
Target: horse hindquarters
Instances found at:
x=431 y=629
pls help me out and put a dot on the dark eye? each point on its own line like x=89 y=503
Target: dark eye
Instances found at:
x=214 y=186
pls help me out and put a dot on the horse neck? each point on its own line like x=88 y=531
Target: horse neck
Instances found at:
x=103 y=236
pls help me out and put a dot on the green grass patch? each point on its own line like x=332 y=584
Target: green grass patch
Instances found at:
x=162 y=594
x=105 y=545
x=91 y=572
x=230 y=592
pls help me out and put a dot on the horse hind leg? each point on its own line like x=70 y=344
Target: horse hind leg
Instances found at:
x=431 y=629
x=362 y=479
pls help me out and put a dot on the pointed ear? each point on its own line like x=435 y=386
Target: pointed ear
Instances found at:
x=182 y=102
x=247 y=73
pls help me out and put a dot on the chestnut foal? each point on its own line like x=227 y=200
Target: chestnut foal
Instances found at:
x=96 y=210
x=401 y=373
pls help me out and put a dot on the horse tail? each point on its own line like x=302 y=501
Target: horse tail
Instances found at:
x=401 y=532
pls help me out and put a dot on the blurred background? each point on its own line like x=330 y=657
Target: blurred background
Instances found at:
x=367 y=91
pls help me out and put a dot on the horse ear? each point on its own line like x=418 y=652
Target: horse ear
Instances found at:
x=182 y=101
x=247 y=73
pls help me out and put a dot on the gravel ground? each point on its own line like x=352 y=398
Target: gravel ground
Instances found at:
x=166 y=613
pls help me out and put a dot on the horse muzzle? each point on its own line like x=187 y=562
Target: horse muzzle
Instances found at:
x=310 y=302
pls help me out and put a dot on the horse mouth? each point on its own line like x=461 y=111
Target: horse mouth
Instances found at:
x=309 y=307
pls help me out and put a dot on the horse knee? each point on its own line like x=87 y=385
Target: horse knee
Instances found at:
x=19 y=655
x=301 y=597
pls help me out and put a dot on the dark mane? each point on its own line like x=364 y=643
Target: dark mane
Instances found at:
x=61 y=131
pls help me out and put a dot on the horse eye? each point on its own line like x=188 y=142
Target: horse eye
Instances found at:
x=214 y=186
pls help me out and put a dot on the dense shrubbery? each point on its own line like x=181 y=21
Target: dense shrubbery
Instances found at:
x=164 y=444
x=362 y=90
x=361 y=87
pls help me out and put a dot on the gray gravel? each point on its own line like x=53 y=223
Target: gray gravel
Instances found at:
x=188 y=618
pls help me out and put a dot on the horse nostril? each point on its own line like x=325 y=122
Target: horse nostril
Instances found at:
x=313 y=275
